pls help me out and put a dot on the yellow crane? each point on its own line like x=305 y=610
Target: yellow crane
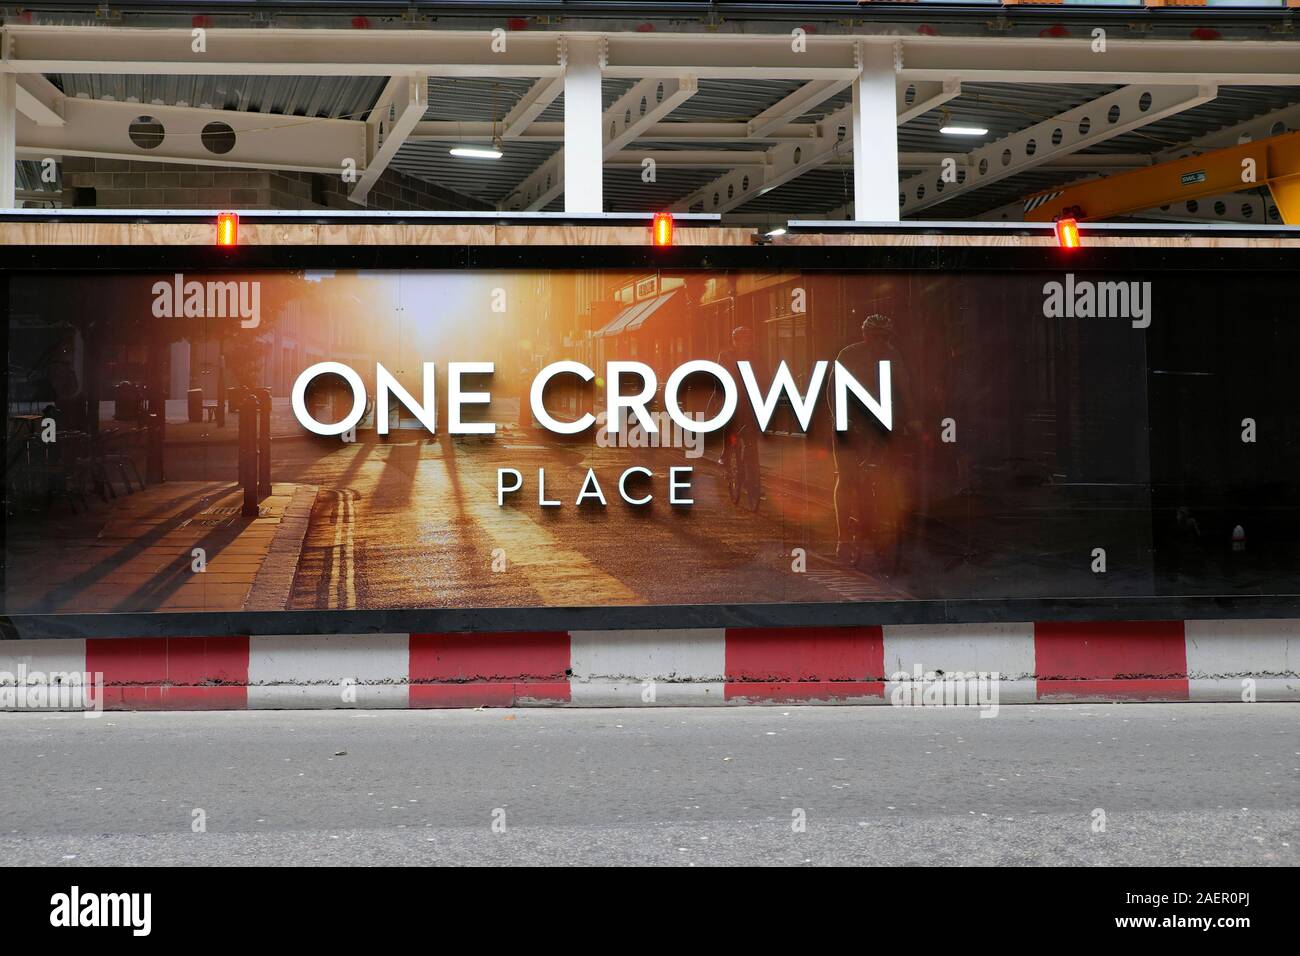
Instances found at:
x=1272 y=162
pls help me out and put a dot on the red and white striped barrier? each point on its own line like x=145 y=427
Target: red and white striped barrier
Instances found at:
x=1044 y=662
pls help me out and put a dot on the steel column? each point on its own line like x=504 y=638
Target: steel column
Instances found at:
x=583 y=144
x=875 y=137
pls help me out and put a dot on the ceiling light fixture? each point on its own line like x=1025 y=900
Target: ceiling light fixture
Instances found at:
x=476 y=152
x=949 y=128
x=482 y=152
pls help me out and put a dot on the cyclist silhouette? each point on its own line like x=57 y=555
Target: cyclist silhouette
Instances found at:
x=740 y=434
x=865 y=444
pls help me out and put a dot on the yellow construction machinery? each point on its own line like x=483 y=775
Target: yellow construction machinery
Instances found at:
x=1272 y=162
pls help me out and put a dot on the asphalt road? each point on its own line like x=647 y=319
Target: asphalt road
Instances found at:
x=1178 y=784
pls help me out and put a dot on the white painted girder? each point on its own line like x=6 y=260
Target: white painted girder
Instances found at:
x=101 y=128
x=399 y=108
x=1094 y=122
x=341 y=52
x=920 y=96
x=726 y=158
x=622 y=123
x=553 y=132
x=1073 y=60
x=643 y=107
x=781 y=164
x=280 y=52
x=582 y=154
x=777 y=165
x=39 y=100
x=1273 y=123
x=8 y=141
x=874 y=127
x=530 y=106
x=730 y=56
x=1268 y=124
x=789 y=108
x=1243 y=207
x=933 y=66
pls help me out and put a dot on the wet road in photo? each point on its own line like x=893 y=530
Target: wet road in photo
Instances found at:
x=416 y=522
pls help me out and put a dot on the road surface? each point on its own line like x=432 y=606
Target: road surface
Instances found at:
x=1177 y=784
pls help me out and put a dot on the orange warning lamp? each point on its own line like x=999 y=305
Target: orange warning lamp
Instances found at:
x=227 y=228
x=1067 y=233
x=663 y=229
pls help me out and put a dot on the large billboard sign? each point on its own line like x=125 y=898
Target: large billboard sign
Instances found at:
x=756 y=435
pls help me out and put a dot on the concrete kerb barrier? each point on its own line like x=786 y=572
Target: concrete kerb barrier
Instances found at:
x=1241 y=661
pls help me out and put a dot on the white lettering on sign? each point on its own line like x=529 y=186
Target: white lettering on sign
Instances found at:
x=621 y=409
x=626 y=421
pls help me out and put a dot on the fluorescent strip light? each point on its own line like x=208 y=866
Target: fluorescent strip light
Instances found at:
x=475 y=152
x=778 y=231
x=964 y=130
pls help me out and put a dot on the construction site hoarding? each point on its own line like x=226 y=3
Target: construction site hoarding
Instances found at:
x=515 y=437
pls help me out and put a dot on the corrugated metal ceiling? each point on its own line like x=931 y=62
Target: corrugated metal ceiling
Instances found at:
x=333 y=97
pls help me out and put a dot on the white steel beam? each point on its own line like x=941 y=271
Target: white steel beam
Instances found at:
x=583 y=123
x=741 y=183
x=642 y=107
x=689 y=158
x=280 y=52
x=1082 y=162
x=789 y=108
x=40 y=100
x=553 y=132
x=8 y=141
x=1245 y=207
x=920 y=96
x=399 y=108
x=340 y=52
x=1067 y=60
x=1273 y=123
x=540 y=187
x=262 y=140
x=639 y=109
x=531 y=105
x=728 y=158
x=875 y=137
x=975 y=58
x=1094 y=122
x=781 y=164
x=730 y=56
